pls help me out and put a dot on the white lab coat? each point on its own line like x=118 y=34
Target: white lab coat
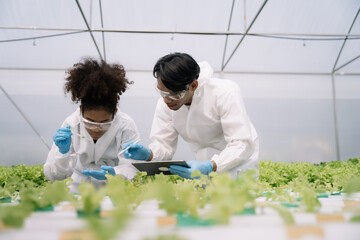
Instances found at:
x=84 y=154
x=215 y=125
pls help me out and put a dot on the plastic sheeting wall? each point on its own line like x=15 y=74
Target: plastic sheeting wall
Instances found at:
x=292 y=114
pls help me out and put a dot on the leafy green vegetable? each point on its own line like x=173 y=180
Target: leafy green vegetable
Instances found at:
x=208 y=199
x=353 y=185
x=355 y=218
x=90 y=198
x=14 y=215
x=284 y=213
x=33 y=173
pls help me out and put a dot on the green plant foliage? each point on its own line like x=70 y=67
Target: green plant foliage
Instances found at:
x=90 y=198
x=284 y=213
x=107 y=228
x=49 y=195
x=227 y=196
x=14 y=216
x=33 y=173
x=329 y=176
x=163 y=190
x=123 y=194
x=207 y=200
x=353 y=185
x=355 y=218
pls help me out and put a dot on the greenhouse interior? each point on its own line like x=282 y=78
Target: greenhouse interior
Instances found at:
x=267 y=129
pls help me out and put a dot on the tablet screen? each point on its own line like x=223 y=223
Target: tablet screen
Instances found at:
x=152 y=168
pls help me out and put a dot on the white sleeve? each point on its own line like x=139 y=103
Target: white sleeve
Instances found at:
x=129 y=133
x=58 y=166
x=126 y=170
x=238 y=131
x=163 y=135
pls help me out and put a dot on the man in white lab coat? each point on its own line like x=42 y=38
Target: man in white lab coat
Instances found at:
x=208 y=113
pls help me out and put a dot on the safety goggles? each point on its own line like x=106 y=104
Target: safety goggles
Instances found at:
x=174 y=95
x=94 y=125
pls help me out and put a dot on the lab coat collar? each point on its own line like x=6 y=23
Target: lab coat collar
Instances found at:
x=96 y=151
x=206 y=71
x=103 y=142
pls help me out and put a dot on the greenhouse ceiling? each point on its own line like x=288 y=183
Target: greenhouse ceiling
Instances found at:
x=257 y=36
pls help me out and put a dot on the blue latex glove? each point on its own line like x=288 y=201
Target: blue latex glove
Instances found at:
x=62 y=139
x=136 y=151
x=184 y=172
x=100 y=175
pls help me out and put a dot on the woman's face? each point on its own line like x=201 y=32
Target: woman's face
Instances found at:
x=97 y=122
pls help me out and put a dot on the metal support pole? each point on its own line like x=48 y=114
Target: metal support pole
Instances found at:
x=337 y=144
x=88 y=27
x=90 y=12
x=227 y=36
x=245 y=25
x=288 y=35
x=39 y=37
x=345 y=64
x=342 y=47
x=102 y=26
x=247 y=30
x=26 y=119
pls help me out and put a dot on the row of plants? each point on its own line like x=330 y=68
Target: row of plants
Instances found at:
x=202 y=201
x=326 y=176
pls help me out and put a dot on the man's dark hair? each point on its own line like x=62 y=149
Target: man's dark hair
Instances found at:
x=96 y=84
x=176 y=70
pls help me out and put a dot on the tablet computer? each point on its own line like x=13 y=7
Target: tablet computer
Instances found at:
x=152 y=168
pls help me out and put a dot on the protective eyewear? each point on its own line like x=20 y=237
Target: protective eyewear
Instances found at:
x=174 y=95
x=94 y=125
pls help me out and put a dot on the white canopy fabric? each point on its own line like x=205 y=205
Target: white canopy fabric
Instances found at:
x=297 y=63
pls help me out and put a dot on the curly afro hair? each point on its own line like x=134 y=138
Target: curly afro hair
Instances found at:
x=96 y=84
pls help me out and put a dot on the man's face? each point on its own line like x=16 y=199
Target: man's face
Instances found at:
x=175 y=104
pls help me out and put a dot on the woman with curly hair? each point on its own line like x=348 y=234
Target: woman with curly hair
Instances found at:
x=86 y=146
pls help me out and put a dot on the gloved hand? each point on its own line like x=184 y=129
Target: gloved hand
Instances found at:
x=100 y=175
x=62 y=139
x=184 y=172
x=136 y=151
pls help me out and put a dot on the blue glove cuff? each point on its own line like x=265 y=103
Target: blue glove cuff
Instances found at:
x=64 y=151
x=148 y=154
x=210 y=166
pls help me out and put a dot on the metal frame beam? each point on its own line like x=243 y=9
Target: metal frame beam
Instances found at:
x=88 y=27
x=336 y=124
x=102 y=26
x=306 y=36
x=343 y=45
x=216 y=71
x=227 y=36
x=44 y=36
x=247 y=30
x=347 y=63
x=24 y=116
